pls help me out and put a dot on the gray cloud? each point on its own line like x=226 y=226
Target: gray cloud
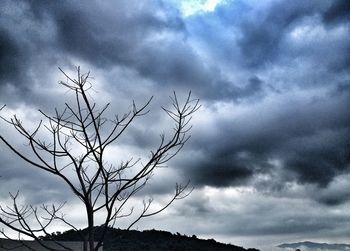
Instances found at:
x=273 y=79
x=311 y=144
x=10 y=55
x=116 y=39
x=338 y=12
x=263 y=33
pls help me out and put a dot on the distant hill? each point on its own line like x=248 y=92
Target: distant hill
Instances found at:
x=132 y=240
x=315 y=246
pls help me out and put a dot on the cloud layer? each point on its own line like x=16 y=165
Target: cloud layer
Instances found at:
x=273 y=79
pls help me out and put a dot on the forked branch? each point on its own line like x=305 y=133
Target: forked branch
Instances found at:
x=74 y=152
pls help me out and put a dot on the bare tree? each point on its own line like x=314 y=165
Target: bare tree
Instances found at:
x=102 y=187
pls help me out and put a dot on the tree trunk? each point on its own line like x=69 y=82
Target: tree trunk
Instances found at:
x=85 y=243
x=89 y=237
x=91 y=230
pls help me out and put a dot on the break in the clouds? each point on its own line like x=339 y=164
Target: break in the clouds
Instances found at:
x=274 y=83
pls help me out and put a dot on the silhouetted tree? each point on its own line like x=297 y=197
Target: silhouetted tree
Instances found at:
x=75 y=153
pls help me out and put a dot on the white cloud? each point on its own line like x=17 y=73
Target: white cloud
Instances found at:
x=194 y=7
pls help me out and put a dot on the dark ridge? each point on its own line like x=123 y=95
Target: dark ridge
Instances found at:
x=133 y=240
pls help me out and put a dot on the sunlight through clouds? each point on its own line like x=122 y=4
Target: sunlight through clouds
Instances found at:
x=194 y=7
x=269 y=150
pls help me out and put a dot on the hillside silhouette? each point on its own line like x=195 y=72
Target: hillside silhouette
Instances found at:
x=133 y=240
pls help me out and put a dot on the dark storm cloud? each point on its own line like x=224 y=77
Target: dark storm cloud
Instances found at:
x=338 y=15
x=262 y=34
x=311 y=140
x=106 y=35
x=10 y=57
x=128 y=40
x=257 y=37
x=20 y=39
x=273 y=79
x=309 y=135
x=221 y=171
x=263 y=37
x=320 y=162
x=25 y=52
x=334 y=198
x=339 y=12
x=252 y=90
x=150 y=38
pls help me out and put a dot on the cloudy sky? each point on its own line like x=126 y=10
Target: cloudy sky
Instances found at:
x=269 y=155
